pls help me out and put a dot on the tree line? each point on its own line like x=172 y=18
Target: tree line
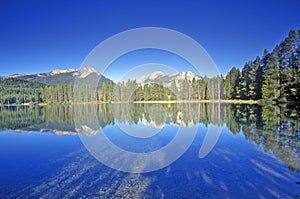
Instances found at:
x=200 y=89
x=275 y=75
x=17 y=92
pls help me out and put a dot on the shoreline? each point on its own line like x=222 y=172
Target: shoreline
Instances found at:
x=261 y=102
x=199 y=101
x=140 y=102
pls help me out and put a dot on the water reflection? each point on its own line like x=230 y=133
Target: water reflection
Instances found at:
x=274 y=128
x=241 y=165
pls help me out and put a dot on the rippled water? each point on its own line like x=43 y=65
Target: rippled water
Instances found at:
x=256 y=153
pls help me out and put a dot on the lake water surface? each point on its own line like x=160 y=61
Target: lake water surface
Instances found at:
x=251 y=151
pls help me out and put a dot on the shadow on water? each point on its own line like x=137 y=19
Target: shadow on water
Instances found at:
x=257 y=154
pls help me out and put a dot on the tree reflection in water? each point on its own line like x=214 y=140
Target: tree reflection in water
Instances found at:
x=275 y=128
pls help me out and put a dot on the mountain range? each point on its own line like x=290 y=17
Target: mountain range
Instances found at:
x=68 y=76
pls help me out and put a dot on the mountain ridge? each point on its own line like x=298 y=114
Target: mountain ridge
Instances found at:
x=57 y=76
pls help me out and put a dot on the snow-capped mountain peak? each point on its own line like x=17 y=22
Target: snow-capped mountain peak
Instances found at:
x=188 y=75
x=167 y=79
x=86 y=71
x=151 y=77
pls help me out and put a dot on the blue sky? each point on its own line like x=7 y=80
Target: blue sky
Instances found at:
x=39 y=36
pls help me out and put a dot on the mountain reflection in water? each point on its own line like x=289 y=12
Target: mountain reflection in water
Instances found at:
x=273 y=129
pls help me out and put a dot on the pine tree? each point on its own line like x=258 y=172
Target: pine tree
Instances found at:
x=244 y=84
x=270 y=76
x=231 y=83
x=258 y=78
x=174 y=88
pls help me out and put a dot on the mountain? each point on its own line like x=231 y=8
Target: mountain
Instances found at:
x=159 y=76
x=59 y=76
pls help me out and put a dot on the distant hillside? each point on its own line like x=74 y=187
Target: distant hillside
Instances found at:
x=14 y=83
x=62 y=78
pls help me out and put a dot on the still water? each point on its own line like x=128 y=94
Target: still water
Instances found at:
x=49 y=152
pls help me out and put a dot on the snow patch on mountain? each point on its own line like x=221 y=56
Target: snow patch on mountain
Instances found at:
x=167 y=79
x=14 y=76
x=59 y=71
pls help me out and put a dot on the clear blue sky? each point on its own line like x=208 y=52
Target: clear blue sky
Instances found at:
x=38 y=36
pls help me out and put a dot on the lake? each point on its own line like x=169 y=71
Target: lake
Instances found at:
x=187 y=150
